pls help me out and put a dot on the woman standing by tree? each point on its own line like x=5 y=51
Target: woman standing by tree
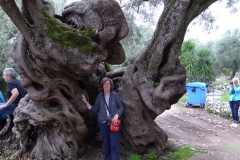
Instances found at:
x=234 y=101
x=108 y=105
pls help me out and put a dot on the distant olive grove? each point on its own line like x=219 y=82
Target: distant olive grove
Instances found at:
x=203 y=62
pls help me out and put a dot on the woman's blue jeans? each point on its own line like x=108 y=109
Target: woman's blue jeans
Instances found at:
x=234 y=105
x=110 y=142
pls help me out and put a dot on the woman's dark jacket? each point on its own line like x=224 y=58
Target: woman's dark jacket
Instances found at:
x=115 y=106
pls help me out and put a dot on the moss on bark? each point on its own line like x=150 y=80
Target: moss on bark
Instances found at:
x=68 y=37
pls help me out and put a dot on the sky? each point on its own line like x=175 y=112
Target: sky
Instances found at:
x=224 y=21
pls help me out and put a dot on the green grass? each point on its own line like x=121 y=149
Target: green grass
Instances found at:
x=151 y=155
x=181 y=154
x=183 y=98
x=82 y=158
x=156 y=84
x=208 y=109
x=225 y=114
x=133 y=156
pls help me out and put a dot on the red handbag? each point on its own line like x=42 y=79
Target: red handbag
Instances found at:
x=114 y=127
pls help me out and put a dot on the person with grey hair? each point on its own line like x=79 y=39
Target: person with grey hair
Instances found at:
x=14 y=94
x=234 y=101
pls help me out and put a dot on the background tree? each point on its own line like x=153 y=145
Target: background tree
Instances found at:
x=188 y=59
x=8 y=34
x=226 y=51
x=137 y=38
x=204 y=65
x=197 y=62
x=59 y=62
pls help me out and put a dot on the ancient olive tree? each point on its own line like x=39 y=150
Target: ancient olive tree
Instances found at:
x=59 y=58
x=226 y=51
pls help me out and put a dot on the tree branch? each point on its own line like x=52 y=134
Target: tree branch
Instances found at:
x=11 y=9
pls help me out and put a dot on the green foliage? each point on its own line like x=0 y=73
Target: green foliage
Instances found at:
x=3 y=87
x=204 y=65
x=164 y=158
x=225 y=71
x=156 y=84
x=8 y=152
x=225 y=114
x=226 y=50
x=188 y=46
x=224 y=98
x=82 y=158
x=107 y=67
x=151 y=155
x=9 y=32
x=183 y=98
x=208 y=109
x=136 y=40
x=181 y=154
x=197 y=62
x=134 y=157
x=188 y=58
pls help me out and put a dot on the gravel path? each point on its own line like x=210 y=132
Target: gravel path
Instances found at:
x=200 y=129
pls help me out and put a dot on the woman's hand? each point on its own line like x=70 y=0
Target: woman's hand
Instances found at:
x=115 y=118
x=84 y=98
x=86 y=102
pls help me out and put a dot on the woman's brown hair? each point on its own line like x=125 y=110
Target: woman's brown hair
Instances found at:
x=103 y=81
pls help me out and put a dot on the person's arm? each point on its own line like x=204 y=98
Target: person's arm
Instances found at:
x=14 y=96
x=86 y=102
x=236 y=88
x=231 y=89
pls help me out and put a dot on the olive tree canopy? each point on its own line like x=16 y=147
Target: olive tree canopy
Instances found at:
x=226 y=51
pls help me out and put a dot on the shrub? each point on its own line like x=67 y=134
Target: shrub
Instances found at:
x=181 y=154
x=134 y=157
x=208 y=109
x=183 y=98
x=151 y=155
x=225 y=71
x=224 y=98
x=225 y=114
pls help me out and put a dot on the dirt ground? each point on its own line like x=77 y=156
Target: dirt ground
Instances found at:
x=195 y=127
x=200 y=129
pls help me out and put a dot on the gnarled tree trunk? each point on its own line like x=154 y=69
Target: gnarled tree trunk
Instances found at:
x=57 y=63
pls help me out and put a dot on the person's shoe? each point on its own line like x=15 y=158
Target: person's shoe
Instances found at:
x=232 y=125
x=235 y=125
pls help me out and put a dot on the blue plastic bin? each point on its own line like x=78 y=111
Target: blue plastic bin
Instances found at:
x=197 y=94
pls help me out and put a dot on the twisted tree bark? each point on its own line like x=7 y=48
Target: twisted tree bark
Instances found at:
x=60 y=60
